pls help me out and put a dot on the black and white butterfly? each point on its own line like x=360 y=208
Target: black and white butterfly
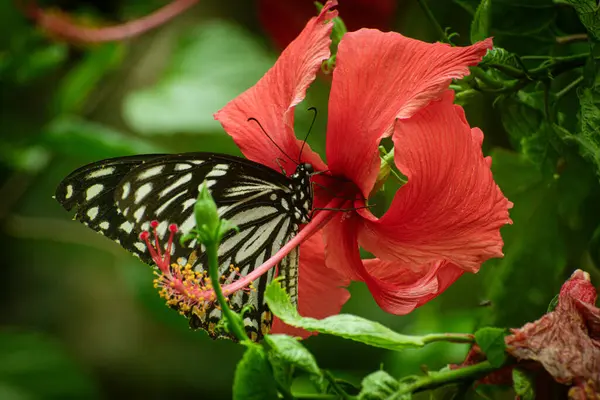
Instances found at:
x=119 y=197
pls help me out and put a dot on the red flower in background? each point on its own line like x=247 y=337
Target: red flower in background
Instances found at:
x=284 y=20
x=443 y=222
x=566 y=341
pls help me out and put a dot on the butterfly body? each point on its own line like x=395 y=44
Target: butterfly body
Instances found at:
x=120 y=197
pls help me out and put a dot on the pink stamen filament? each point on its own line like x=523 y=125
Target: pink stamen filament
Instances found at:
x=162 y=261
x=199 y=292
x=312 y=227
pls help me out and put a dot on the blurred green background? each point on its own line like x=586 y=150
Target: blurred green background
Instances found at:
x=80 y=318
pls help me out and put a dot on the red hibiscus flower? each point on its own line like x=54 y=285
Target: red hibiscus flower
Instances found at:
x=443 y=222
x=284 y=20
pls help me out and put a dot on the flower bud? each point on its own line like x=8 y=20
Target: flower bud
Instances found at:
x=207 y=216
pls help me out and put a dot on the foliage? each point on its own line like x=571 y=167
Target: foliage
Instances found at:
x=536 y=96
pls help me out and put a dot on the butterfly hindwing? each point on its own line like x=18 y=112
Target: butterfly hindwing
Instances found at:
x=257 y=199
x=264 y=204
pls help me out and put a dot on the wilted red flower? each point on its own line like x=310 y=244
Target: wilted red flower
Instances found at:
x=566 y=341
x=284 y=20
x=443 y=222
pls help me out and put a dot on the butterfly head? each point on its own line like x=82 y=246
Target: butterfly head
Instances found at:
x=303 y=195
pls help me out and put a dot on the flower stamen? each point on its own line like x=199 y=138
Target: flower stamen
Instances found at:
x=161 y=261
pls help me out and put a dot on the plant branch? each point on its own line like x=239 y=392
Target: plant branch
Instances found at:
x=449 y=337
x=65 y=28
x=568 y=88
x=433 y=21
x=434 y=380
x=336 y=388
x=577 y=37
x=485 y=78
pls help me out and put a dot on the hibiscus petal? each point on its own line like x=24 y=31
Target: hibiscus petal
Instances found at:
x=396 y=287
x=272 y=100
x=432 y=279
x=380 y=77
x=451 y=208
x=321 y=290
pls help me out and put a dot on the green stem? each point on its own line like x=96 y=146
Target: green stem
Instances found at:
x=470 y=373
x=535 y=57
x=508 y=70
x=568 y=88
x=552 y=67
x=233 y=320
x=336 y=388
x=316 y=396
x=388 y=158
x=485 y=78
x=449 y=337
x=576 y=37
x=433 y=21
x=285 y=394
x=558 y=65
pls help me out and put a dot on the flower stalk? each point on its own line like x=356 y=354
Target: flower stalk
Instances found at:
x=234 y=321
x=435 y=380
x=210 y=230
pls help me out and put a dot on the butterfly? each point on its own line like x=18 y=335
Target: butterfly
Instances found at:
x=119 y=197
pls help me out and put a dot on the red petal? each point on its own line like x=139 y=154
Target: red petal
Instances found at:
x=560 y=342
x=396 y=287
x=272 y=100
x=433 y=278
x=564 y=341
x=380 y=77
x=451 y=208
x=321 y=290
x=579 y=287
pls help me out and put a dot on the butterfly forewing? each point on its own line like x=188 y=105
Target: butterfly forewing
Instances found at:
x=264 y=204
x=90 y=191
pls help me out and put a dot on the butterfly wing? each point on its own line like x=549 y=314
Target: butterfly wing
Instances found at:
x=90 y=191
x=257 y=199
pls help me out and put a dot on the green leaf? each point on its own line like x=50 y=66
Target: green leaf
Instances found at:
x=283 y=372
x=529 y=132
x=500 y=56
x=491 y=342
x=33 y=366
x=516 y=19
x=77 y=85
x=253 y=377
x=589 y=14
x=29 y=158
x=379 y=386
x=589 y=120
x=40 y=61
x=200 y=79
x=553 y=217
x=343 y=325
x=480 y=27
x=523 y=384
x=74 y=136
x=294 y=353
x=553 y=303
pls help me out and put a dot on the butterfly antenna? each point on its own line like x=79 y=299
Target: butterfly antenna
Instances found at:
x=271 y=139
x=314 y=110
